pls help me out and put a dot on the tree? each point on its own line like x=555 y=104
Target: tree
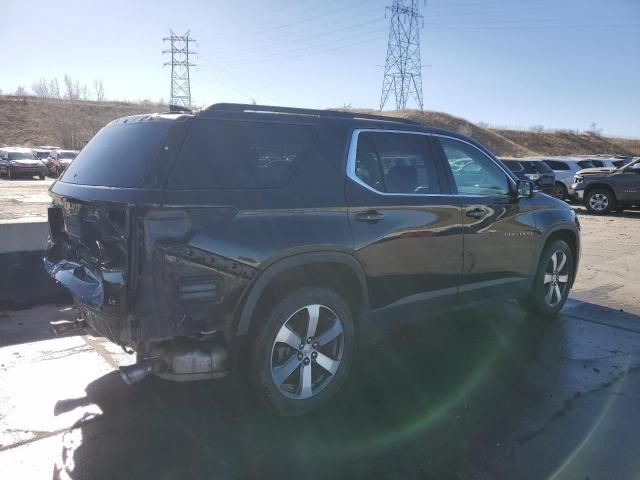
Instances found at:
x=594 y=130
x=54 y=88
x=20 y=91
x=41 y=88
x=98 y=89
x=72 y=89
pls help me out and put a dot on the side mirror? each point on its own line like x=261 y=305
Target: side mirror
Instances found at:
x=524 y=189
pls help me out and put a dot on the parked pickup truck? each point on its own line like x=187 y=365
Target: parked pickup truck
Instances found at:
x=606 y=189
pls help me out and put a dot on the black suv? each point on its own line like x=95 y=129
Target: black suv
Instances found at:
x=269 y=241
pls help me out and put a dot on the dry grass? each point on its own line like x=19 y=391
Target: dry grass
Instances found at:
x=32 y=121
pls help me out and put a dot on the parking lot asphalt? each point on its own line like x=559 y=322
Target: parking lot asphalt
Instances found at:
x=24 y=199
x=486 y=393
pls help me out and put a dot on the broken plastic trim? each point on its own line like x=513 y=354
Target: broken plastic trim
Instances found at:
x=81 y=281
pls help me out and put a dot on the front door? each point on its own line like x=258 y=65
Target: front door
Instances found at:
x=406 y=232
x=499 y=230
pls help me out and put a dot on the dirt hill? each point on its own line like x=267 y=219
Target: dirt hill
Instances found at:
x=32 y=121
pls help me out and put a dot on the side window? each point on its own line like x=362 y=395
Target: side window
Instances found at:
x=597 y=163
x=226 y=154
x=396 y=163
x=555 y=165
x=480 y=176
x=585 y=164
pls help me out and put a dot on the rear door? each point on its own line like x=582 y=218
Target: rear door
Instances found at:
x=498 y=229
x=407 y=233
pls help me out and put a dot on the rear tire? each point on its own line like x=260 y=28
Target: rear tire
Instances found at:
x=553 y=280
x=303 y=351
x=41 y=177
x=600 y=201
x=560 y=191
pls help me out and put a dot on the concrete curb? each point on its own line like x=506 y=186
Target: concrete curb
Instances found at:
x=23 y=280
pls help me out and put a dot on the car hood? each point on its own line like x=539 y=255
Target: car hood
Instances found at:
x=597 y=171
x=27 y=163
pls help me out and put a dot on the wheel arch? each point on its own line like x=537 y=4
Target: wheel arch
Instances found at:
x=564 y=232
x=330 y=269
x=589 y=188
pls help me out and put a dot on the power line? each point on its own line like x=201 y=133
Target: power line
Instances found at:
x=402 y=70
x=180 y=64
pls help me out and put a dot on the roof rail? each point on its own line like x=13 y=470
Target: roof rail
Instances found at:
x=243 y=107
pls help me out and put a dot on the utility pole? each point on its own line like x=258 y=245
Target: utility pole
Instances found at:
x=402 y=70
x=180 y=62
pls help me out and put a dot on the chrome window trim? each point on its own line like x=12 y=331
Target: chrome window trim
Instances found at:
x=351 y=163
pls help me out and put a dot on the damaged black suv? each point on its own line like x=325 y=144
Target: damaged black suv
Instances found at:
x=268 y=242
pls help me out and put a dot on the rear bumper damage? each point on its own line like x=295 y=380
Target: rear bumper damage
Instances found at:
x=173 y=304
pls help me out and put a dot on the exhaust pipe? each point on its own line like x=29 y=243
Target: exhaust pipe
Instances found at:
x=134 y=373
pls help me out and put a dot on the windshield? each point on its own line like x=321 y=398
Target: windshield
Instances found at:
x=67 y=155
x=631 y=164
x=21 y=156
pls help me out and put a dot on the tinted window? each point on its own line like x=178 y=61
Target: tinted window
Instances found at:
x=542 y=167
x=557 y=165
x=222 y=154
x=396 y=163
x=513 y=166
x=118 y=155
x=21 y=156
x=585 y=164
x=481 y=176
x=67 y=155
x=597 y=163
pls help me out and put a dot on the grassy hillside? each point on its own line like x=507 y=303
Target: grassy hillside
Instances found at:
x=32 y=121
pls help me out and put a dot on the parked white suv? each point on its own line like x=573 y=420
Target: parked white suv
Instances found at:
x=565 y=169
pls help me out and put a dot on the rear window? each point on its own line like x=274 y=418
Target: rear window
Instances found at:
x=119 y=155
x=224 y=154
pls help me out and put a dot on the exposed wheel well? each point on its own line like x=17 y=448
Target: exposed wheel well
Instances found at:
x=334 y=275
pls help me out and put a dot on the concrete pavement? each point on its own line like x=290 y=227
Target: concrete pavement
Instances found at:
x=487 y=394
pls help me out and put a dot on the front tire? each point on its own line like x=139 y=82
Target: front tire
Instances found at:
x=553 y=280
x=303 y=352
x=600 y=201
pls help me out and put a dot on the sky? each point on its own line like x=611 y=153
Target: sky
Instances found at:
x=510 y=63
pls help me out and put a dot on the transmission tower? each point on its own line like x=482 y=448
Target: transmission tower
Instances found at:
x=402 y=70
x=180 y=62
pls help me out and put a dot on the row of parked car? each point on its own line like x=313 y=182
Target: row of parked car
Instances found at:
x=43 y=161
x=602 y=182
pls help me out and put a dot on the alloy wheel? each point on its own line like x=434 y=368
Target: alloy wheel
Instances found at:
x=307 y=352
x=599 y=202
x=556 y=278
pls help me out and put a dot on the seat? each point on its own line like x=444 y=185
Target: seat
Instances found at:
x=402 y=179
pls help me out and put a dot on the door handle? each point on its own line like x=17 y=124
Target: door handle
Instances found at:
x=370 y=216
x=476 y=213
